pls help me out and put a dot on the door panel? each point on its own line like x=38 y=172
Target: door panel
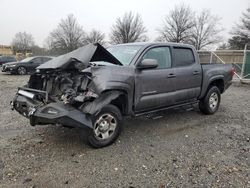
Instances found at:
x=154 y=87
x=188 y=75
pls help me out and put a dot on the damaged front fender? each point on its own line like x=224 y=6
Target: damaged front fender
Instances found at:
x=104 y=99
x=63 y=92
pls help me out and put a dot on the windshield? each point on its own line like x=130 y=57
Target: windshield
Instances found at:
x=27 y=59
x=124 y=53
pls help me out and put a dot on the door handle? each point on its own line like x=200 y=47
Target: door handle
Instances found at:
x=196 y=72
x=171 y=75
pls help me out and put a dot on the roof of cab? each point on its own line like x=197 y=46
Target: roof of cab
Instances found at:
x=147 y=44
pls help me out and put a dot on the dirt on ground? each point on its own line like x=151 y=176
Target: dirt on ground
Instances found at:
x=175 y=148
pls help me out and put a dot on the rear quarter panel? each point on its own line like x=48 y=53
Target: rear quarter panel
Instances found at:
x=212 y=72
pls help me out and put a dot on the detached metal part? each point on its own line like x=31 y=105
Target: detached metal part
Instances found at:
x=59 y=113
x=26 y=94
x=52 y=113
x=24 y=90
x=25 y=106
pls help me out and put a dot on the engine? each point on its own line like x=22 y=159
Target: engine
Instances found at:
x=68 y=87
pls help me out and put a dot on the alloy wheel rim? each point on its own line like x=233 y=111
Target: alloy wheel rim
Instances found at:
x=21 y=70
x=105 y=126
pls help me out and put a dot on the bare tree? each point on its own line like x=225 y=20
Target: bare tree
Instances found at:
x=37 y=50
x=241 y=33
x=67 y=37
x=177 y=25
x=223 y=46
x=95 y=36
x=127 y=29
x=22 y=42
x=206 y=30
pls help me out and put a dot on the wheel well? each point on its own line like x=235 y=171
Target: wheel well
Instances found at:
x=218 y=83
x=121 y=103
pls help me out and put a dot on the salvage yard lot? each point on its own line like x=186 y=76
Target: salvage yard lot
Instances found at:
x=181 y=149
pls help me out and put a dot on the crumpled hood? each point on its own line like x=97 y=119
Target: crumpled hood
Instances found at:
x=85 y=54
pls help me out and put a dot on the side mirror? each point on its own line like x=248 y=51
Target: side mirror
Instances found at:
x=148 y=64
x=31 y=62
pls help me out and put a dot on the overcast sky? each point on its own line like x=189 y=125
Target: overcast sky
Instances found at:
x=39 y=17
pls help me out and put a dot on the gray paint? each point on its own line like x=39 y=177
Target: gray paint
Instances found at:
x=145 y=90
x=94 y=107
x=85 y=54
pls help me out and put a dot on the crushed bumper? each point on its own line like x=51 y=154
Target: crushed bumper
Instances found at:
x=52 y=113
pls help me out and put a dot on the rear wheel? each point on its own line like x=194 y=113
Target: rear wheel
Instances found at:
x=106 y=127
x=211 y=102
x=21 y=70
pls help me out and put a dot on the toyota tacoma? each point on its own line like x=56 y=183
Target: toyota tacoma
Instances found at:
x=94 y=88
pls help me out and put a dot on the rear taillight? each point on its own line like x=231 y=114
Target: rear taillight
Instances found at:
x=233 y=71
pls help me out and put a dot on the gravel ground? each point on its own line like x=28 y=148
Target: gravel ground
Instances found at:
x=183 y=148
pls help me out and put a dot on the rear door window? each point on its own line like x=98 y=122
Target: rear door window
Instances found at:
x=4 y=58
x=37 y=60
x=11 y=59
x=183 y=56
x=45 y=59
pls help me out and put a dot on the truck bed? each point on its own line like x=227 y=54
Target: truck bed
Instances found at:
x=212 y=71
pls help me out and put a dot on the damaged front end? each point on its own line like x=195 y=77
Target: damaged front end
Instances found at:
x=60 y=92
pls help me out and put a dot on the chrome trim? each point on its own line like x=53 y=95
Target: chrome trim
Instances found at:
x=26 y=94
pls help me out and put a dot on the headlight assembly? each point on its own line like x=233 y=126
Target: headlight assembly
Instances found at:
x=10 y=65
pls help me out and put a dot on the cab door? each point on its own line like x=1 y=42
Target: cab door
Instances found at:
x=188 y=74
x=154 y=88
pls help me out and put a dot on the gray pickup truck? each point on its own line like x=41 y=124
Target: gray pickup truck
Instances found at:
x=93 y=87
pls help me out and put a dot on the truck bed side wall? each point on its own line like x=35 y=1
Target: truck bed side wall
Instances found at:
x=213 y=72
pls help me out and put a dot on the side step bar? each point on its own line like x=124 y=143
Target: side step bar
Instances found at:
x=165 y=108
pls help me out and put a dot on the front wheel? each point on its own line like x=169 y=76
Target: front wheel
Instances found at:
x=211 y=102
x=106 y=127
x=21 y=70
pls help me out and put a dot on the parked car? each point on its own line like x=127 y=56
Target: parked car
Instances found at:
x=7 y=59
x=95 y=88
x=27 y=65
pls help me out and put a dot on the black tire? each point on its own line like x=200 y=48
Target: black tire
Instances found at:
x=21 y=70
x=209 y=104
x=103 y=120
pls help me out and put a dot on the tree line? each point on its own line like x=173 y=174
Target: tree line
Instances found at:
x=181 y=25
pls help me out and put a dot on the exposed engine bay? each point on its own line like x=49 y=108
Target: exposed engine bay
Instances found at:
x=69 y=89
